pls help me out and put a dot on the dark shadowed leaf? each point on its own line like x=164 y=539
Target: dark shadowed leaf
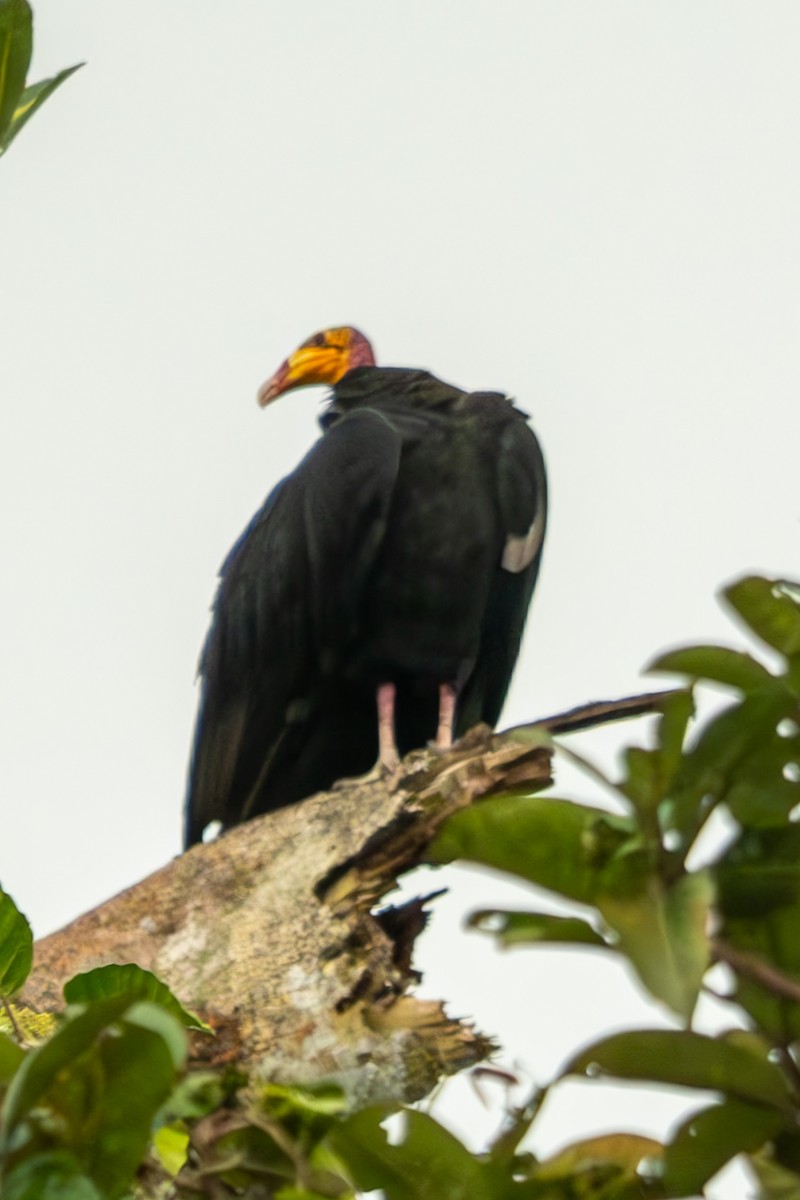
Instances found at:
x=771 y=608
x=557 y=844
x=428 y=1163
x=733 y=734
x=756 y=890
x=763 y=806
x=126 y=979
x=715 y=762
x=776 y=1182
x=764 y=791
x=16 y=946
x=759 y=900
x=707 y=1140
x=530 y=928
x=295 y=1193
x=56 y=1175
x=198 y=1093
x=16 y=43
x=687 y=1059
x=11 y=1055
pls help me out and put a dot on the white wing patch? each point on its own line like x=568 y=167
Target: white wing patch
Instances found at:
x=521 y=549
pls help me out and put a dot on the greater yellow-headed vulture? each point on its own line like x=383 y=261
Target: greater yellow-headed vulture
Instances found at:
x=377 y=600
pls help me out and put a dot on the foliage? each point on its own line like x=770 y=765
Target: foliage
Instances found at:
x=78 y=1108
x=20 y=100
x=104 y=1097
x=629 y=875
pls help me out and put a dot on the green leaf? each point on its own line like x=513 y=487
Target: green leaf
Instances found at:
x=708 y=1140
x=530 y=734
x=249 y=1148
x=776 y=1182
x=677 y=710
x=138 y=1071
x=11 y=1055
x=301 y=1193
x=155 y=1019
x=557 y=844
x=771 y=608
x=100 y=1081
x=687 y=1059
x=650 y=773
x=197 y=1094
x=31 y=100
x=719 y=664
x=428 y=1163
x=532 y=928
x=44 y=1063
x=759 y=901
x=324 y=1099
x=127 y=979
x=663 y=933
x=763 y=806
x=757 y=890
x=609 y=1166
x=643 y=784
x=171 y=1147
x=16 y=45
x=715 y=762
x=16 y=946
x=734 y=733
x=55 y=1175
x=762 y=792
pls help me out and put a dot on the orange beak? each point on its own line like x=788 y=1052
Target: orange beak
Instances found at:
x=323 y=358
x=308 y=365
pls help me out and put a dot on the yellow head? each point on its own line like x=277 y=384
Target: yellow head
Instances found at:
x=323 y=358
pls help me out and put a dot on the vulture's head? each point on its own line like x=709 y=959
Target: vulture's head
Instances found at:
x=323 y=358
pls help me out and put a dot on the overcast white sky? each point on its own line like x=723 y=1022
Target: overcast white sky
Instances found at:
x=592 y=205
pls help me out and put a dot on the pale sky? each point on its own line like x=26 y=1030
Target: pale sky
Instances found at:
x=591 y=205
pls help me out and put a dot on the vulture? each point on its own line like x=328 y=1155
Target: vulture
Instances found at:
x=376 y=602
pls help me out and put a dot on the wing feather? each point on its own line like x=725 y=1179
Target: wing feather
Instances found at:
x=286 y=610
x=521 y=496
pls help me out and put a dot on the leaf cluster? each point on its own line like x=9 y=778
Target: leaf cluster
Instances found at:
x=19 y=100
x=81 y=1095
x=628 y=872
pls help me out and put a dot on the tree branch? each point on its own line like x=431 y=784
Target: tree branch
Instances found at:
x=270 y=933
x=756 y=969
x=601 y=712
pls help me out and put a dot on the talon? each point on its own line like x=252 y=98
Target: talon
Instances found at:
x=375 y=774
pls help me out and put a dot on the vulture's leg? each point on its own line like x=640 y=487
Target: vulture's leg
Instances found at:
x=388 y=757
x=447 y=713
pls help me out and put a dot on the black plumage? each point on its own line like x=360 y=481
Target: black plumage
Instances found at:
x=402 y=550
